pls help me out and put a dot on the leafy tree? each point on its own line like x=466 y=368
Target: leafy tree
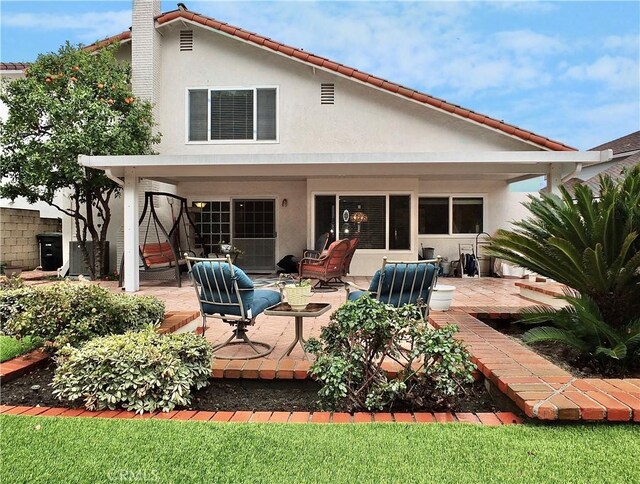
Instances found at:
x=72 y=102
x=592 y=245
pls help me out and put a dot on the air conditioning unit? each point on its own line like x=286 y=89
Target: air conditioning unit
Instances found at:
x=77 y=265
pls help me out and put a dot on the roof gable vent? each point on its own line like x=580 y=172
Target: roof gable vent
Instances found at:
x=186 y=40
x=327 y=93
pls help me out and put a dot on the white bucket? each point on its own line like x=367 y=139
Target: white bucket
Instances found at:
x=297 y=296
x=441 y=297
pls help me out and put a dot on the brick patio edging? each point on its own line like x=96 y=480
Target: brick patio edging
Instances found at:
x=483 y=418
x=539 y=388
x=18 y=366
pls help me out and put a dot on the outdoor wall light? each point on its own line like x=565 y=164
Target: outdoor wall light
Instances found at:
x=200 y=204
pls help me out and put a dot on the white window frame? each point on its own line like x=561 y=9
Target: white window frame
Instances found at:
x=209 y=141
x=339 y=194
x=450 y=196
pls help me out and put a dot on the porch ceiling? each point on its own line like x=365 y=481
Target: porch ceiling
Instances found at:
x=445 y=165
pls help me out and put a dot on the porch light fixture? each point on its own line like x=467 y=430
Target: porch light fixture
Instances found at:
x=200 y=204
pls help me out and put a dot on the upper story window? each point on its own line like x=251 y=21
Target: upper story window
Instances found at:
x=243 y=114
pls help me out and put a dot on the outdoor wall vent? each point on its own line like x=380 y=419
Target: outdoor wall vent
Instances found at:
x=327 y=93
x=186 y=40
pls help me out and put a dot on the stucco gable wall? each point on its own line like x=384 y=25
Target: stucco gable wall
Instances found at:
x=362 y=119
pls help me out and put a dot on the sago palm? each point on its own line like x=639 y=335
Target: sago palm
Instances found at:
x=580 y=326
x=590 y=244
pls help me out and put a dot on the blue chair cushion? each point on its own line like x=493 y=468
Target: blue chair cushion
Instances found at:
x=216 y=286
x=254 y=302
x=397 y=292
x=355 y=295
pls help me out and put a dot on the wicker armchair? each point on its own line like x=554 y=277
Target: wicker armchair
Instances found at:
x=327 y=267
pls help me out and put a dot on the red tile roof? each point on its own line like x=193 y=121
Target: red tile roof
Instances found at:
x=126 y=35
x=363 y=77
x=346 y=71
x=13 y=66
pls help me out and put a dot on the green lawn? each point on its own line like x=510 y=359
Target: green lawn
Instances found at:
x=11 y=347
x=41 y=449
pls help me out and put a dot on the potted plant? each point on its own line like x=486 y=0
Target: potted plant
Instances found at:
x=298 y=294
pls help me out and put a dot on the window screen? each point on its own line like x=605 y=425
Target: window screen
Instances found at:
x=198 y=115
x=467 y=215
x=363 y=217
x=266 y=114
x=232 y=115
x=399 y=222
x=325 y=216
x=433 y=216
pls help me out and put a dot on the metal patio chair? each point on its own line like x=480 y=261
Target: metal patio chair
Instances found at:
x=400 y=283
x=225 y=292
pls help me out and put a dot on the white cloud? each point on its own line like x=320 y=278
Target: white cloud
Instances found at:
x=88 y=26
x=525 y=6
x=617 y=72
x=529 y=42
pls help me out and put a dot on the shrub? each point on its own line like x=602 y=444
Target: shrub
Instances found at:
x=12 y=303
x=68 y=313
x=11 y=347
x=592 y=245
x=140 y=371
x=363 y=334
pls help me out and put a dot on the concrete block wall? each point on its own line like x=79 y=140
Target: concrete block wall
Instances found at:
x=18 y=230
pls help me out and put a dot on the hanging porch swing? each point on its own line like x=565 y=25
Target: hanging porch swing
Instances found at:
x=162 y=252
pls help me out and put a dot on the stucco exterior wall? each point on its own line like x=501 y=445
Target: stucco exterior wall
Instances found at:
x=362 y=119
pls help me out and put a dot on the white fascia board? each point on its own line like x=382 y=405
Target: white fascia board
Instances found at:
x=449 y=157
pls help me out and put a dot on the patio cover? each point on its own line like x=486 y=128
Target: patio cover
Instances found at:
x=510 y=166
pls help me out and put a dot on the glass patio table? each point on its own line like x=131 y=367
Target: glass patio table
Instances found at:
x=312 y=310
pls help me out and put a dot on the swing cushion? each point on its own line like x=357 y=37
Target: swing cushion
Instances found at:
x=157 y=254
x=206 y=274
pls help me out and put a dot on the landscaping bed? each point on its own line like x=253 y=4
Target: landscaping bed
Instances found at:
x=559 y=354
x=229 y=395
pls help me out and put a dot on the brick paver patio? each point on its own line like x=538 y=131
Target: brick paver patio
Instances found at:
x=541 y=389
x=490 y=296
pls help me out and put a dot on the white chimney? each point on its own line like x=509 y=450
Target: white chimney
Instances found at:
x=145 y=51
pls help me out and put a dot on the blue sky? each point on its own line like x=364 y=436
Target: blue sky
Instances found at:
x=567 y=70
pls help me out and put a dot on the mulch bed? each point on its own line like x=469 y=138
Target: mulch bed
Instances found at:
x=229 y=395
x=559 y=354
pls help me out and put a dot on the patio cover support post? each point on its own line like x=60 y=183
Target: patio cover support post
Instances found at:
x=554 y=178
x=131 y=232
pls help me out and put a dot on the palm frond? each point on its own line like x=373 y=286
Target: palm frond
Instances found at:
x=548 y=333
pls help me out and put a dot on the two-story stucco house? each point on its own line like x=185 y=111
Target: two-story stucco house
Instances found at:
x=281 y=145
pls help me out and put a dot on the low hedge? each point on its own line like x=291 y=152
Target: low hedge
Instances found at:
x=71 y=313
x=140 y=371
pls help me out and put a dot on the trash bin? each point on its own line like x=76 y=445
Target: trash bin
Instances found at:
x=50 y=250
x=428 y=253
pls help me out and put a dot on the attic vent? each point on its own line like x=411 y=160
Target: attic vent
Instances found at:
x=327 y=93
x=186 y=40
